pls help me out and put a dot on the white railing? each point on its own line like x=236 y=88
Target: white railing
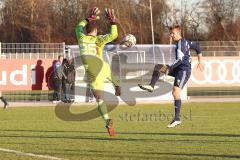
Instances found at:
x=31 y=50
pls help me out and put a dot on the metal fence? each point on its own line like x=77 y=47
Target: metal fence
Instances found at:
x=219 y=43
x=220 y=48
x=31 y=50
x=52 y=50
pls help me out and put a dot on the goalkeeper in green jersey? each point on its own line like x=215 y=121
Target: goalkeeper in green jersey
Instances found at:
x=91 y=49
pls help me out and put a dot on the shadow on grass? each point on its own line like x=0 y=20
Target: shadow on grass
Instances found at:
x=178 y=154
x=137 y=154
x=104 y=137
x=132 y=133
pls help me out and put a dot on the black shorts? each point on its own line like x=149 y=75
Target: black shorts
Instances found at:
x=181 y=77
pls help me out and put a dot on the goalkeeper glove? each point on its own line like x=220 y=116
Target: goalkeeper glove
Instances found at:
x=110 y=15
x=94 y=14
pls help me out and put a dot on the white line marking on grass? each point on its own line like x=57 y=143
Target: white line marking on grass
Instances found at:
x=30 y=154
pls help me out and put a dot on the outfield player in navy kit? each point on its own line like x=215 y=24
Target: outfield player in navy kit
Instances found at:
x=180 y=70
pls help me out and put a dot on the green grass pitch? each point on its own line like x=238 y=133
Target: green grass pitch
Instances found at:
x=208 y=131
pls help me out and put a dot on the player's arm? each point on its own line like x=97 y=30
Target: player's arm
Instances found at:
x=200 y=62
x=80 y=29
x=196 y=47
x=113 y=34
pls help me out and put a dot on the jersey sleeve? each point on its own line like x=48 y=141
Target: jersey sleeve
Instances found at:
x=104 y=39
x=195 y=46
x=80 y=29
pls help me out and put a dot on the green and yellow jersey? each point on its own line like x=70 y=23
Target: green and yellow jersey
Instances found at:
x=97 y=69
x=94 y=45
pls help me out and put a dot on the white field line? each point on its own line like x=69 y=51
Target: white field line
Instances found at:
x=30 y=154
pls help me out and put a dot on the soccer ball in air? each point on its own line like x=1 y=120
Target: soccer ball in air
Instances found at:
x=129 y=40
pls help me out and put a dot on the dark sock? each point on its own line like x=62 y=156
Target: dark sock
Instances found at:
x=155 y=77
x=177 y=104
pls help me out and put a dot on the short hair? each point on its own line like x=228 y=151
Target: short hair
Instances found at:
x=176 y=26
x=91 y=26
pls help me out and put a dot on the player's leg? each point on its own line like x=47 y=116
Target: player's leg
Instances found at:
x=181 y=79
x=155 y=77
x=89 y=92
x=102 y=105
x=177 y=105
x=115 y=81
x=4 y=101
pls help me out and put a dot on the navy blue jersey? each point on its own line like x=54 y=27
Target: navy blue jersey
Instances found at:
x=183 y=57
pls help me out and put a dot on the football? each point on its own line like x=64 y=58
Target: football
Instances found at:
x=129 y=40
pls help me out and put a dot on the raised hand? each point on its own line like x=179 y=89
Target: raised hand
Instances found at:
x=93 y=14
x=110 y=15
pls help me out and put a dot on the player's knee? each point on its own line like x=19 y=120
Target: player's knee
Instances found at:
x=176 y=94
x=173 y=93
